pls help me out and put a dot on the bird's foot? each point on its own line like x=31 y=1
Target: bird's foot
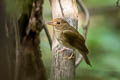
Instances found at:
x=62 y=50
x=70 y=57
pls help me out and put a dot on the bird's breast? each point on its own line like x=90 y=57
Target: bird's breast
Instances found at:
x=63 y=40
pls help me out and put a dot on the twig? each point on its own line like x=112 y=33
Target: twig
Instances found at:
x=48 y=35
x=87 y=17
x=61 y=8
x=85 y=26
x=117 y=3
x=78 y=61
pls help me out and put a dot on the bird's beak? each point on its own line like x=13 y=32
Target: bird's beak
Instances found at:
x=51 y=23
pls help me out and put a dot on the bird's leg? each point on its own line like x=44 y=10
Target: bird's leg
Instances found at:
x=62 y=50
x=68 y=57
x=71 y=56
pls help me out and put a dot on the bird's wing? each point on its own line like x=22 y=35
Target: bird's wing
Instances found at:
x=75 y=39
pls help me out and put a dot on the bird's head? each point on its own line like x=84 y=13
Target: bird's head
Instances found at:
x=59 y=23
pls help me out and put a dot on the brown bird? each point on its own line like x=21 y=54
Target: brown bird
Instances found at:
x=70 y=37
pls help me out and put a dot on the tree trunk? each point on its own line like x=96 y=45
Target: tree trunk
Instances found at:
x=63 y=69
x=29 y=65
x=24 y=51
x=4 y=70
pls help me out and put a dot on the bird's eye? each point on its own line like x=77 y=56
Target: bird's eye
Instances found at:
x=58 y=22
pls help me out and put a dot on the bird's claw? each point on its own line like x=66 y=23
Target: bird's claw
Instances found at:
x=62 y=50
x=69 y=57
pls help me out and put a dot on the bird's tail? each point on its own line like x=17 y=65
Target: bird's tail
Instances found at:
x=86 y=58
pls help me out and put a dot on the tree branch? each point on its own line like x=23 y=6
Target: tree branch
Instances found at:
x=85 y=26
x=78 y=61
x=61 y=8
x=87 y=17
x=48 y=35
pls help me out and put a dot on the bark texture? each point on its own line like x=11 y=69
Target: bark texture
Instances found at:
x=11 y=44
x=23 y=41
x=4 y=69
x=29 y=65
x=63 y=69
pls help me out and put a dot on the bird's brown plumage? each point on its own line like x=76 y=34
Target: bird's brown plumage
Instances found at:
x=70 y=37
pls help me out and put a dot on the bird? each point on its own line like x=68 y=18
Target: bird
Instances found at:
x=69 y=37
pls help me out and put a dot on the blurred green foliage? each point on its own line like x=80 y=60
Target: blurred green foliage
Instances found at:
x=100 y=2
